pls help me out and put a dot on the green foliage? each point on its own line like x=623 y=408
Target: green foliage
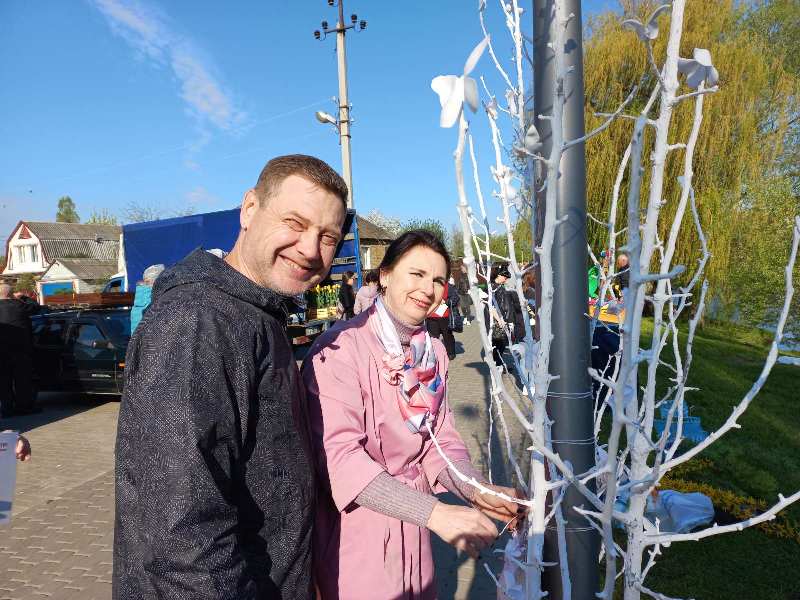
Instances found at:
x=102 y=217
x=456 y=247
x=430 y=225
x=777 y=23
x=498 y=243
x=25 y=283
x=754 y=287
x=66 y=212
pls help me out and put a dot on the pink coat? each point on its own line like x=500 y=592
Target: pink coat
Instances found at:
x=365 y=298
x=358 y=432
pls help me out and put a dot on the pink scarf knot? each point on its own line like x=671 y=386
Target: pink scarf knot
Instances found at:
x=393 y=367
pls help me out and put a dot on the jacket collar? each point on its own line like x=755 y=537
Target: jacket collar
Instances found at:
x=203 y=267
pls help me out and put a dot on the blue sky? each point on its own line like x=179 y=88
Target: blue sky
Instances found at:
x=178 y=104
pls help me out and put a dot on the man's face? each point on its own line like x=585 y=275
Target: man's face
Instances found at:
x=288 y=244
x=622 y=261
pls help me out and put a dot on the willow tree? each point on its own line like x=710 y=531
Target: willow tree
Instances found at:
x=741 y=138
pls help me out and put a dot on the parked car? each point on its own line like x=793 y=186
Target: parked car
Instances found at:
x=81 y=350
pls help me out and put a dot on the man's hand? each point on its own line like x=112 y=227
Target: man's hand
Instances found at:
x=497 y=508
x=465 y=528
x=23 y=449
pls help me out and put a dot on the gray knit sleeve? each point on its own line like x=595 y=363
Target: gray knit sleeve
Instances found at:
x=460 y=488
x=386 y=495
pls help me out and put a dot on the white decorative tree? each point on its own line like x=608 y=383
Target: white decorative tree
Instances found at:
x=632 y=459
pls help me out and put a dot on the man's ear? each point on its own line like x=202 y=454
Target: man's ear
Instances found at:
x=250 y=204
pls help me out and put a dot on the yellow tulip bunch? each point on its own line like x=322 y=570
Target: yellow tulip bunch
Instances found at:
x=323 y=296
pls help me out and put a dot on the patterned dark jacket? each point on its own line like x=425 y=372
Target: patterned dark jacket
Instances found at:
x=214 y=485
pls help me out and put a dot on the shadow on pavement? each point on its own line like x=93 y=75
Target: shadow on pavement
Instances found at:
x=56 y=406
x=445 y=556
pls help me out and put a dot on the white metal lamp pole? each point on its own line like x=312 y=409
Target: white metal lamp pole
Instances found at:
x=342 y=123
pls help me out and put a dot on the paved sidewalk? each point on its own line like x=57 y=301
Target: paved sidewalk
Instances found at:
x=59 y=542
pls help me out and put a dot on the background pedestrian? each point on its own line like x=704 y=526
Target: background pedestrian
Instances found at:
x=17 y=396
x=367 y=293
x=144 y=293
x=347 y=298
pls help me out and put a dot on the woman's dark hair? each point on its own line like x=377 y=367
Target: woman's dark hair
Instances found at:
x=408 y=240
x=371 y=277
x=348 y=275
x=500 y=270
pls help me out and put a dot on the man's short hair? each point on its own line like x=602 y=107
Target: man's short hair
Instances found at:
x=311 y=168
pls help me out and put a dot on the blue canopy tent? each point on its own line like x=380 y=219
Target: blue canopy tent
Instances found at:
x=167 y=241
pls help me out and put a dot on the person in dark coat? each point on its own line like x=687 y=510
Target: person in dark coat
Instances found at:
x=17 y=395
x=508 y=309
x=439 y=322
x=347 y=297
x=215 y=486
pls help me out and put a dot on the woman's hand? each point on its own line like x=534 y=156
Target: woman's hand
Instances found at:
x=23 y=450
x=497 y=508
x=465 y=528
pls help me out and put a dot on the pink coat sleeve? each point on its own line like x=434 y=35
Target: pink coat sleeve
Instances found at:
x=337 y=414
x=446 y=434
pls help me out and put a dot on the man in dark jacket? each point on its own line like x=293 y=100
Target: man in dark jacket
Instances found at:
x=347 y=297
x=16 y=354
x=214 y=476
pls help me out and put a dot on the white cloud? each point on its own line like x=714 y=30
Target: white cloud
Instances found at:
x=199 y=196
x=147 y=31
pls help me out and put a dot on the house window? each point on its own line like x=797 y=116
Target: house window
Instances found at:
x=367 y=262
x=27 y=254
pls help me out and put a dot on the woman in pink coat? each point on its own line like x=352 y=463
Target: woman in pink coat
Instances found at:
x=377 y=384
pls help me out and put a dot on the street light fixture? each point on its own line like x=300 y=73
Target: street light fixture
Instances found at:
x=342 y=123
x=324 y=117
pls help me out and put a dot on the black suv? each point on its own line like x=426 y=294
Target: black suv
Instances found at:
x=81 y=350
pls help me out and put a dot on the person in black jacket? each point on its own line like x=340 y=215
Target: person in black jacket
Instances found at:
x=507 y=314
x=347 y=297
x=17 y=396
x=215 y=486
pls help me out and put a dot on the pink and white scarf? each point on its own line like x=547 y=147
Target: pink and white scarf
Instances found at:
x=416 y=372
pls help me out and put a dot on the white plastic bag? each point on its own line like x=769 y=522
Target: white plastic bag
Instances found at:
x=8 y=473
x=512 y=577
x=680 y=512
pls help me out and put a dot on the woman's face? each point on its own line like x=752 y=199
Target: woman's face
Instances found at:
x=415 y=285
